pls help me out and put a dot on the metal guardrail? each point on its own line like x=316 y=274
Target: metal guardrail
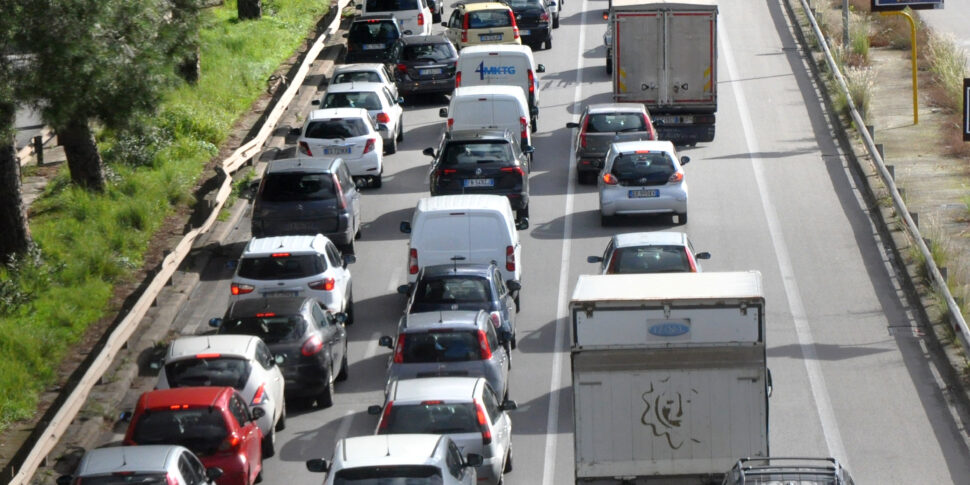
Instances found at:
x=46 y=134
x=116 y=341
x=957 y=321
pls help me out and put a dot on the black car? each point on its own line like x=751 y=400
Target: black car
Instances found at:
x=482 y=162
x=424 y=64
x=466 y=287
x=535 y=19
x=371 y=37
x=311 y=340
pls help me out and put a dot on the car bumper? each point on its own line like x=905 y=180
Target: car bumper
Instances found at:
x=366 y=165
x=535 y=35
x=617 y=201
x=304 y=380
x=337 y=228
x=426 y=86
x=586 y=163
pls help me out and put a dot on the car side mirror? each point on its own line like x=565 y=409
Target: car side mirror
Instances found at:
x=315 y=102
x=703 y=255
x=64 y=480
x=404 y=289
x=406 y=32
x=253 y=186
x=572 y=124
x=212 y=473
x=215 y=322
x=769 y=382
x=125 y=416
x=594 y=259
x=522 y=224
x=258 y=413
x=534 y=111
x=385 y=341
x=428 y=151
x=349 y=259
x=444 y=24
x=552 y=4
x=400 y=100
x=341 y=317
x=684 y=160
x=295 y=131
x=473 y=460
x=374 y=410
x=443 y=113
x=513 y=285
x=528 y=149
x=505 y=336
x=280 y=359
x=405 y=227
x=317 y=465
x=541 y=68
x=509 y=405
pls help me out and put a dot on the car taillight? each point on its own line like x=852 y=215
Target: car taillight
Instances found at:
x=230 y=444
x=483 y=346
x=496 y=319
x=342 y=200
x=609 y=179
x=509 y=258
x=447 y=171
x=676 y=177
x=240 y=289
x=524 y=125
x=532 y=83
x=385 y=417
x=582 y=133
x=399 y=350
x=649 y=125
x=692 y=262
x=169 y=480
x=544 y=17
x=311 y=346
x=458 y=79
x=258 y=397
x=420 y=19
x=305 y=149
x=517 y=170
x=369 y=146
x=451 y=122
x=482 y=423
x=413 y=261
x=515 y=26
x=325 y=284
x=383 y=118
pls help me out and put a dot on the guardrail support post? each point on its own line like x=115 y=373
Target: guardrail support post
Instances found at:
x=882 y=153
x=39 y=149
x=915 y=216
x=891 y=169
x=943 y=273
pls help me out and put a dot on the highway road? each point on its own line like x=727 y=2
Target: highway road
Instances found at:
x=852 y=379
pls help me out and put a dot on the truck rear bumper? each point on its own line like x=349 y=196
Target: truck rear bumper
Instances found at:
x=686 y=134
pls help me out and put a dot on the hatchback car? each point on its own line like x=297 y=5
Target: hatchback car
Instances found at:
x=449 y=343
x=348 y=133
x=649 y=252
x=295 y=266
x=482 y=162
x=643 y=177
x=399 y=459
x=377 y=99
x=370 y=37
x=214 y=422
x=308 y=196
x=465 y=287
x=601 y=125
x=242 y=362
x=474 y=23
x=309 y=340
x=415 y=16
x=424 y=64
x=534 y=18
x=150 y=464
x=363 y=72
x=463 y=408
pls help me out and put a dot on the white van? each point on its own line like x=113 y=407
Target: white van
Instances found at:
x=509 y=65
x=491 y=108
x=413 y=15
x=478 y=228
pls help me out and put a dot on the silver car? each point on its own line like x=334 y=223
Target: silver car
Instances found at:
x=171 y=464
x=449 y=343
x=642 y=177
x=601 y=125
x=464 y=408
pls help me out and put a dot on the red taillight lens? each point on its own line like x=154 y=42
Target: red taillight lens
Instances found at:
x=515 y=26
x=649 y=125
x=258 y=397
x=420 y=19
x=385 y=417
x=464 y=24
x=676 y=177
x=692 y=262
x=312 y=346
x=240 y=289
x=609 y=179
x=482 y=423
x=451 y=122
x=458 y=79
x=169 y=480
x=401 y=68
x=413 y=261
x=325 y=284
x=383 y=118
x=496 y=319
x=532 y=82
x=524 y=125
x=483 y=346
x=230 y=444
x=369 y=146
x=582 y=133
x=517 y=170
x=509 y=258
x=399 y=350
x=544 y=17
x=305 y=149
x=447 y=171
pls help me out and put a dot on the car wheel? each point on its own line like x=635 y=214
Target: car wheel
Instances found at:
x=344 y=373
x=436 y=18
x=508 y=461
x=609 y=66
x=681 y=218
x=400 y=130
x=351 y=247
x=259 y=477
x=534 y=121
x=522 y=213
x=349 y=309
x=555 y=22
x=377 y=183
x=269 y=444
x=549 y=42
x=606 y=220
x=390 y=148
x=281 y=423
x=325 y=399
x=514 y=345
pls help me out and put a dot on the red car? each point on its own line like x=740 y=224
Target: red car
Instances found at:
x=214 y=422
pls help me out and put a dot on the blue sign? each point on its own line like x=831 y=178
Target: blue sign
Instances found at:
x=668 y=329
x=887 y=5
x=483 y=71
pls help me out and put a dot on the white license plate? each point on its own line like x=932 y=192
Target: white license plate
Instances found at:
x=300 y=226
x=524 y=32
x=428 y=72
x=280 y=293
x=488 y=37
x=370 y=47
x=336 y=150
x=643 y=194
x=676 y=119
x=479 y=182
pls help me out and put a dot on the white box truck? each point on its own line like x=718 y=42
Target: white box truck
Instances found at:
x=670 y=383
x=663 y=54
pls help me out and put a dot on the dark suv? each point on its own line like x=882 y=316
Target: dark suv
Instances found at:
x=534 y=18
x=482 y=162
x=424 y=64
x=308 y=197
x=310 y=341
x=370 y=37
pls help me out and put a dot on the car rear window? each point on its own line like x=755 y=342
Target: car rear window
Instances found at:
x=383 y=32
x=336 y=128
x=483 y=19
x=452 y=289
x=271 y=329
x=389 y=475
x=356 y=76
x=201 y=430
x=280 y=267
x=297 y=187
x=441 y=346
x=430 y=417
x=615 y=122
x=124 y=478
x=430 y=52
x=219 y=371
x=649 y=259
x=391 y=5
x=478 y=152
x=652 y=166
x=365 y=99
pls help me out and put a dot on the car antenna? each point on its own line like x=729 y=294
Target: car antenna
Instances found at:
x=387 y=445
x=124 y=458
x=455 y=259
x=441 y=316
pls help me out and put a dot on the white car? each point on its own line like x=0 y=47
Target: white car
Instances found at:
x=348 y=133
x=363 y=72
x=379 y=102
x=243 y=362
x=642 y=178
x=294 y=266
x=464 y=408
x=170 y=464
x=414 y=15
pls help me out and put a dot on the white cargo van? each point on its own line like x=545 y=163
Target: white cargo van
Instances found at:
x=507 y=65
x=414 y=15
x=477 y=228
x=489 y=108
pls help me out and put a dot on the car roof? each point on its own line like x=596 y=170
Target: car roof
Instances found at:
x=357 y=66
x=615 y=107
x=265 y=246
x=425 y=39
x=469 y=269
x=281 y=305
x=485 y=134
x=444 y=318
x=659 y=238
x=657 y=145
x=308 y=164
x=463 y=202
x=500 y=48
x=328 y=113
x=444 y=388
x=355 y=87
x=142 y=458
x=388 y=449
x=191 y=396
x=487 y=90
x=376 y=16
x=240 y=346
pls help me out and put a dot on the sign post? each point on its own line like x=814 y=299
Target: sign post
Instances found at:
x=966 y=109
x=887 y=5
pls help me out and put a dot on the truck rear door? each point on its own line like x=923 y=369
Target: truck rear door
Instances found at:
x=638 y=45
x=690 y=57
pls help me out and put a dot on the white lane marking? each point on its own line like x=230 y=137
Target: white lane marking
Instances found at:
x=816 y=380
x=392 y=284
x=549 y=464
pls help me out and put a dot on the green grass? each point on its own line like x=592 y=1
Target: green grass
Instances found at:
x=89 y=242
x=948 y=64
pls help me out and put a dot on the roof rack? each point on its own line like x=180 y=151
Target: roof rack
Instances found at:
x=784 y=469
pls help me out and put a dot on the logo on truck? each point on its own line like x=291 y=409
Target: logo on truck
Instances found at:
x=665 y=413
x=668 y=329
x=483 y=71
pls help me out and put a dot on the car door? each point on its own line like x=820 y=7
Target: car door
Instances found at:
x=501 y=425
x=341 y=275
x=274 y=377
x=505 y=299
x=453 y=31
x=248 y=433
x=394 y=110
x=351 y=195
x=191 y=469
x=500 y=357
x=330 y=334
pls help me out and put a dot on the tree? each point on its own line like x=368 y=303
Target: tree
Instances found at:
x=249 y=9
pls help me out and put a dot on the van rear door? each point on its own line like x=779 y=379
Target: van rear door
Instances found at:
x=442 y=236
x=473 y=112
x=488 y=238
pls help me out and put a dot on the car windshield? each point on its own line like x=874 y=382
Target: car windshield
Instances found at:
x=356 y=76
x=430 y=52
x=453 y=289
x=201 y=430
x=218 y=371
x=525 y=3
x=389 y=475
x=615 y=122
x=649 y=259
x=483 y=19
x=646 y=166
x=478 y=152
x=432 y=417
x=373 y=31
x=280 y=267
x=441 y=346
x=297 y=187
x=364 y=99
x=336 y=128
x=272 y=330
x=125 y=479
x=391 y=5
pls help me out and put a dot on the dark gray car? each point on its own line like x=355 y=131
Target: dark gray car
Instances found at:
x=601 y=125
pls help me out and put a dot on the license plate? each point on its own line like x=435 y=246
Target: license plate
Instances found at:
x=336 y=150
x=280 y=293
x=429 y=72
x=300 y=226
x=524 y=32
x=642 y=194
x=370 y=47
x=479 y=182
x=488 y=37
x=677 y=119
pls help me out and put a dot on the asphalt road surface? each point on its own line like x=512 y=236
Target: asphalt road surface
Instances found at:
x=852 y=379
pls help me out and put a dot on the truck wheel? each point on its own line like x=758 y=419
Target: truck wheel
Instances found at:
x=609 y=66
